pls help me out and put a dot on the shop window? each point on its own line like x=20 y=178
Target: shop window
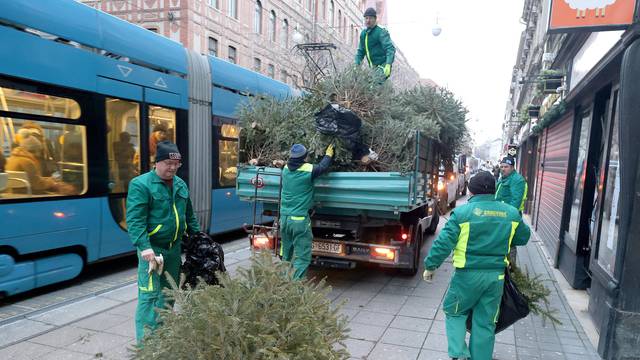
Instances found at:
x=581 y=173
x=228 y=155
x=162 y=126
x=43 y=159
x=123 y=143
x=608 y=239
x=26 y=102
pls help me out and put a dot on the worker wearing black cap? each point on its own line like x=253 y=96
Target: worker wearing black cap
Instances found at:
x=480 y=234
x=375 y=45
x=512 y=187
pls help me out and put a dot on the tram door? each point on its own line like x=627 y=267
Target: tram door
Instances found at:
x=133 y=128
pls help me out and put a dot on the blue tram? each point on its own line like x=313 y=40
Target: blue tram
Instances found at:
x=84 y=98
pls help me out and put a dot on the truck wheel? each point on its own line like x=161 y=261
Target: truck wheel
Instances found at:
x=452 y=205
x=434 y=222
x=464 y=191
x=416 y=256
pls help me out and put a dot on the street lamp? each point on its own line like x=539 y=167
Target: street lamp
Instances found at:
x=437 y=29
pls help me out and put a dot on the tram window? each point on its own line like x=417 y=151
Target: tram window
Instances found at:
x=228 y=155
x=38 y=104
x=123 y=139
x=43 y=159
x=162 y=125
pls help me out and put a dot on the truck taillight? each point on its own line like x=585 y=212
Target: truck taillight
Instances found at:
x=404 y=236
x=262 y=241
x=384 y=253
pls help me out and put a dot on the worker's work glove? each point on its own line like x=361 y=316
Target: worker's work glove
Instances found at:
x=157 y=264
x=148 y=255
x=427 y=276
x=387 y=70
x=330 y=150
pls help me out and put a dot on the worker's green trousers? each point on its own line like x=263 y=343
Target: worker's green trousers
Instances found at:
x=296 y=243
x=480 y=291
x=150 y=296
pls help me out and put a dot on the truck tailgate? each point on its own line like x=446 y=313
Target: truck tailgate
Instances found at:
x=381 y=191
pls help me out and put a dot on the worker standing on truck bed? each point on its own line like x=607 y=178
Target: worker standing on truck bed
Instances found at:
x=376 y=45
x=296 y=201
x=480 y=234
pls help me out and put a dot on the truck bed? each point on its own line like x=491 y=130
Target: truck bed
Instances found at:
x=390 y=192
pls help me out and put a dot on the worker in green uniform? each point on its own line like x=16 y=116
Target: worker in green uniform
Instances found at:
x=296 y=201
x=375 y=45
x=159 y=211
x=479 y=233
x=512 y=187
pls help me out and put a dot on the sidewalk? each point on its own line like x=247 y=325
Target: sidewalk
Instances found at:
x=391 y=317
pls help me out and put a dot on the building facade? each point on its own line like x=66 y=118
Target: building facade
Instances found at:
x=573 y=112
x=260 y=34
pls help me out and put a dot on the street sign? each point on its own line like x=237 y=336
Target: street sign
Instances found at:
x=513 y=150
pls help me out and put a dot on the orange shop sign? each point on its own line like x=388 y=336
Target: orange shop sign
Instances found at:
x=571 y=15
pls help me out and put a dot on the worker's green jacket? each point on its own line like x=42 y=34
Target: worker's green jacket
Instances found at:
x=156 y=216
x=376 y=46
x=512 y=190
x=480 y=234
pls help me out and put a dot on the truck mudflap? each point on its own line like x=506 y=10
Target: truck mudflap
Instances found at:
x=395 y=255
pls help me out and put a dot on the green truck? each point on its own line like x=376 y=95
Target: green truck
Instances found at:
x=358 y=217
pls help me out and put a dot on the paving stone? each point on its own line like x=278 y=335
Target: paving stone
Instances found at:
x=365 y=332
x=121 y=352
x=506 y=337
x=426 y=354
x=25 y=351
x=435 y=342
x=98 y=343
x=128 y=309
x=580 y=350
x=359 y=348
x=373 y=318
x=397 y=290
x=413 y=310
x=21 y=329
x=411 y=323
x=77 y=310
x=388 y=307
x=393 y=352
x=438 y=327
x=63 y=336
x=504 y=352
x=404 y=337
x=123 y=294
x=62 y=354
x=552 y=355
x=349 y=313
x=127 y=328
x=101 y=321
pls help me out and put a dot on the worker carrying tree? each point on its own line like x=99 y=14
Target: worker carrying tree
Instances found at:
x=297 y=200
x=376 y=45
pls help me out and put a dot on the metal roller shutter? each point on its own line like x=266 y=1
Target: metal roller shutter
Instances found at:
x=552 y=175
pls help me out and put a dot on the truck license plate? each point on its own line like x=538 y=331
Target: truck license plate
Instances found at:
x=327 y=247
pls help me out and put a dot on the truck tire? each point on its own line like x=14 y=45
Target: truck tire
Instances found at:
x=464 y=191
x=452 y=205
x=434 y=222
x=416 y=256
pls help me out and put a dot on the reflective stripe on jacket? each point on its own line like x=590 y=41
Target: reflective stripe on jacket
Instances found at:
x=480 y=234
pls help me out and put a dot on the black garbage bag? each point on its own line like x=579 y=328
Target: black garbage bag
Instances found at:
x=513 y=306
x=203 y=257
x=343 y=123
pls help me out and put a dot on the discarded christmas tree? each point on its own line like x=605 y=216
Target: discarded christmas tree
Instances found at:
x=536 y=293
x=261 y=313
x=389 y=122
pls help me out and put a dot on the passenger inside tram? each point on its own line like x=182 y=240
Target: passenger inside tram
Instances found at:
x=23 y=159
